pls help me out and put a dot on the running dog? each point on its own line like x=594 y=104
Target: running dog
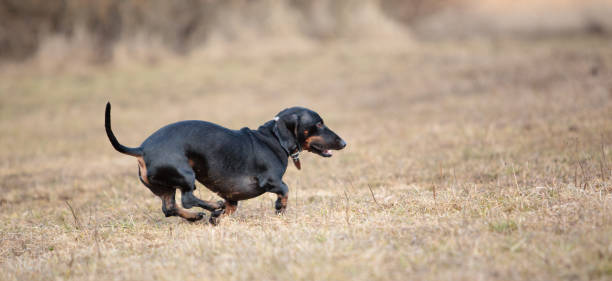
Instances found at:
x=235 y=164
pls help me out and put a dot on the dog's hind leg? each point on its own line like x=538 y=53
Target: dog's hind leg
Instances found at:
x=183 y=178
x=170 y=208
x=188 y=199
x=163 y=179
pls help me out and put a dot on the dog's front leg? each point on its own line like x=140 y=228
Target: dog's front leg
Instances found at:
x=228 y=209
x=282 y=190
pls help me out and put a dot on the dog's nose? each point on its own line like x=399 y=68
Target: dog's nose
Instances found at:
x=342 y=143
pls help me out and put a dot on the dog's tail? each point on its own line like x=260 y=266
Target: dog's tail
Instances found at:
x=119 y=147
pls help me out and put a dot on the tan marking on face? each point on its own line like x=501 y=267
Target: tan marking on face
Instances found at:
x=309 y=140
x=191 y=163
x=142 y=169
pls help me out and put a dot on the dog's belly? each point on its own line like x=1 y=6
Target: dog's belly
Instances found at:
x=235 y=189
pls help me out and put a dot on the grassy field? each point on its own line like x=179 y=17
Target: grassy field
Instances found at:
x=471 y=160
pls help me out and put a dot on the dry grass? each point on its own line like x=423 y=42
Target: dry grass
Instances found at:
x=470 y=160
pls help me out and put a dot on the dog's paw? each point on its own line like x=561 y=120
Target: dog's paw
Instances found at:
x=214 y=220
x=217 y=213
x=197 y=217
x=215 y=216
x=280 y=211
x=221 y=204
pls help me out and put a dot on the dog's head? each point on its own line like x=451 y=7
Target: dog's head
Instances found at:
x=298 y=125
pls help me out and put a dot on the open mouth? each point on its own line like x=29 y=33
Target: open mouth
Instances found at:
x=319 y=150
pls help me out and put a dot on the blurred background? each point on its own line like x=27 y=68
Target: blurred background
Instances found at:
x=64 y=31
x=479 y=137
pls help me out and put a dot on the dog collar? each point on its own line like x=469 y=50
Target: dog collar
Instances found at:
x=294 y=156
x=296 y=160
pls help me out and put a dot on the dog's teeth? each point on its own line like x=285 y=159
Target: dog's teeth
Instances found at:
x=328 y=152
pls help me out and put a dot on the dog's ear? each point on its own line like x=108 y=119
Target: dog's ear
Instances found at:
x=292 y=122
x=287 y=126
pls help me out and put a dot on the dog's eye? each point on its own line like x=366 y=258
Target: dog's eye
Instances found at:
x=320 y=125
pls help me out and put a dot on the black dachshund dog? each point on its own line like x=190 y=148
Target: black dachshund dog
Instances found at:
x=235 y=164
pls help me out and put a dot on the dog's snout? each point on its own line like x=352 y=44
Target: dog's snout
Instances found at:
x=341 y=143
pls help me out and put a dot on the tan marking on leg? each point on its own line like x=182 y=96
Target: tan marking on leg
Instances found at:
x=142 y=169
x=171 y=206
x=188 y=215
x=283 y=202
x=168 y=203
x=229 y=209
